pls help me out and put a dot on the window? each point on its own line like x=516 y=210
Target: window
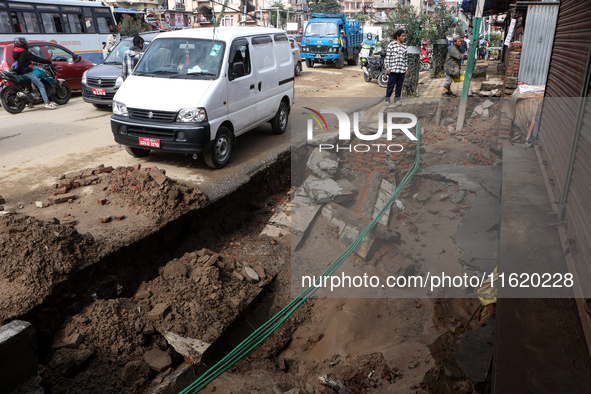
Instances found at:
x=5 y=24
x=283 y=48
x=25 y=22
x=52 y=23
x=37 y=51
x=73 y=23
x=58 y=54
x=322 y=29
x=105 y=24
x=263 y=52
x=228 y=21
x=240 y=54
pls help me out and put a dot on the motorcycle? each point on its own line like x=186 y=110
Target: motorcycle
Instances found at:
x=425 y=60
x=19 y=91
x=374 y=69
x=365 y=53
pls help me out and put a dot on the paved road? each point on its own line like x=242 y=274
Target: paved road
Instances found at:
x=39 y=144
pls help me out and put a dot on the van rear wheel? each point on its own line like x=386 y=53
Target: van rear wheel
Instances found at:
x=279 y=122
x=137 y=152
x=221 y=149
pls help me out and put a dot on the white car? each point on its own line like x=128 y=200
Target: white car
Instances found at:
x=297 y=56
x=193 y=94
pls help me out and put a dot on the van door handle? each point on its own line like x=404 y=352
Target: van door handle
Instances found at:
x=252 y=87
x=260 y=86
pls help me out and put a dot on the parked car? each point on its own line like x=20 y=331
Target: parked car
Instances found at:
x=69 y=65
x=101 y=82
x=192 y=94
x=297 y=56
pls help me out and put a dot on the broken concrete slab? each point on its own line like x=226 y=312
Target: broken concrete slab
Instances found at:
x=487 y=104
x=457 y=199
x=18 y=354
x=475 y=352
x=366 y=248
x=157 y=360
x=188 y=347
x=369 y=194
x=477 y=236
x=322 y=191
x=385 y=192
x=491 y=85
x=250 y=275
x=324 y=164
x=345 y=184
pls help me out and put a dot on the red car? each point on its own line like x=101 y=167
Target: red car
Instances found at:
x=68 y=64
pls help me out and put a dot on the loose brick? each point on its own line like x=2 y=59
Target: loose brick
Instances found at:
x=120 y=217
x=158 y=176
x=61 y=198
x=104 y=218
x=159 y=312
x=102 y=201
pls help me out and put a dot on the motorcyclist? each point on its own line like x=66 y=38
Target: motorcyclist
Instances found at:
x=369 y=40
x=23 y=59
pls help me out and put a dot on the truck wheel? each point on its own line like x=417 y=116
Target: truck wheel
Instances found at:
x=340 y=62
x=137 y=152
x=383 y=79
x=309 y=63
x=279 y=122
x=355 y=60
x=221 y=149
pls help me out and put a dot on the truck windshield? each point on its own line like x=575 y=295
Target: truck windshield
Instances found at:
x=322 y=29
x=182 y=58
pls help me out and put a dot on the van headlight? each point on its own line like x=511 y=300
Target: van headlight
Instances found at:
x=84 y=77
x=119 y=81
x=191 y=115
x=119 y=109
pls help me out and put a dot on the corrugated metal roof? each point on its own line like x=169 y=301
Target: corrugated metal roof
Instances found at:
x=538 y=37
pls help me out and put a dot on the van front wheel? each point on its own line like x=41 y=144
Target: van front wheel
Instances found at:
x=221 y=149
x=279 y=122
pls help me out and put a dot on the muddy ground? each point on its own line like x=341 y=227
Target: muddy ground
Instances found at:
x=92 y=289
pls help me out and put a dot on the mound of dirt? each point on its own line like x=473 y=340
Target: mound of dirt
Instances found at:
x=150 y=192
x=35 y=255
x=105 y=347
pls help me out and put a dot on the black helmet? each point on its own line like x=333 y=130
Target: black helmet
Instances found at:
x=21 y=42
x=369 y=36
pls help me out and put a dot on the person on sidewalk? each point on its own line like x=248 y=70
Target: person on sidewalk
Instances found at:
x=22 y=62
x=452 y=66
x=396 y=66
x=132 y=56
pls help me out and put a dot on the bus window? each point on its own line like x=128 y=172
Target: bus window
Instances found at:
x=52 y=23
x=73 y=23
x=5 y=24
x=88 y=23
x=25 y=22
x=105 y=24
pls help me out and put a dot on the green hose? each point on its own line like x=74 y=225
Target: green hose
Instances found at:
x=272 y=324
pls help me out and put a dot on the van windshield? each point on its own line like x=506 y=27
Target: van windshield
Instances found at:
x=182 y=58
x=322 y=29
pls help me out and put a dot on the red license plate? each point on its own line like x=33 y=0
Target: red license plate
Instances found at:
x=149 y=142
x=99 y=92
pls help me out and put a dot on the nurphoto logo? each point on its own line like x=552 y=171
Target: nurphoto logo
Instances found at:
x=345 y=130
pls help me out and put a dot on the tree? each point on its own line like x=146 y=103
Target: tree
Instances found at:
x=273 y=14
x=325 y=6
x=130 y=26
x=361 y=17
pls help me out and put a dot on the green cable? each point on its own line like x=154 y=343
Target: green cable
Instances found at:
x=263 y=332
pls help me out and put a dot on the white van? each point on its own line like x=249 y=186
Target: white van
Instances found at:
x=194 y=91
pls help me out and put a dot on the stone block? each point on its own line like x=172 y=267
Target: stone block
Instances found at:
x=188 y=347
x=157 y=360
x=324 y=164
x=159 y=312
x=322 y=191
x=18 y=354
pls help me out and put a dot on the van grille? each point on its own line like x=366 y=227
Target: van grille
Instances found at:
x=151 y=132
x=104 y=82
x=157 y=116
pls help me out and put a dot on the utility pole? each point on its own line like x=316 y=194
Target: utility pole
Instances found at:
x=470 y=65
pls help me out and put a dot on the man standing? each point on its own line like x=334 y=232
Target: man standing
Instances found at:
x=396 y=66
x=452 y=65
x=132 y=56
x=22 y=62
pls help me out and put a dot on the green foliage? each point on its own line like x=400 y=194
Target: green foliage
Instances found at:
x=440 y=24
x=325 y=6
x=130 y=26
x=406 y=17
x=273 y=14
x=361 y=17
x=495 y=38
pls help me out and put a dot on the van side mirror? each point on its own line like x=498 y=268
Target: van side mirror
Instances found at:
x=238 y=70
